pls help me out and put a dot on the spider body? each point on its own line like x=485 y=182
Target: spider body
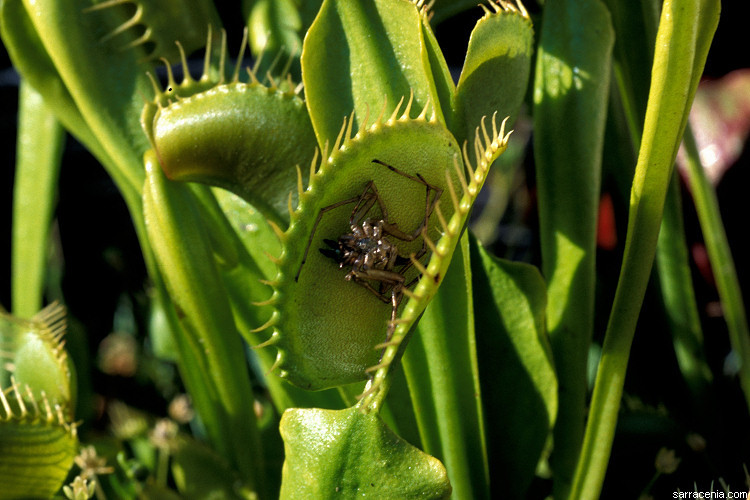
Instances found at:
x=371 y=257
x=364 y=247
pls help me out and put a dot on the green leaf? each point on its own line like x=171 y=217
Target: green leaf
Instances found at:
x=442 y=372
x=212 y=356
x=685 y=32
x=39 y=151
x=571 y=87
x=677 y=292
x=496 y=71
x=106 y=83
x=519 y=384
x=347 y=454
x=361 y=56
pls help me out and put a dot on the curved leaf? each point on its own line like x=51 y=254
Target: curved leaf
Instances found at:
x=107 y=84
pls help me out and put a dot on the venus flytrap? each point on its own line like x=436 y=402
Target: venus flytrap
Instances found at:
x=38 y=435
x=213 y=153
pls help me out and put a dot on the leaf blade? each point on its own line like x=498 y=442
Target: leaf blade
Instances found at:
x=512 y=342
x=362 y=56
x=683 y=39
x=571 y=86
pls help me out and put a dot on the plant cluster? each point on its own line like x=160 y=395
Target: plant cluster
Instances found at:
x=308 y=229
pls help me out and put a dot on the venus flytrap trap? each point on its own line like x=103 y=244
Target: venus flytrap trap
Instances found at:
x=38 y=435
x=318 y=311
x=250 y=135
x=153 y=27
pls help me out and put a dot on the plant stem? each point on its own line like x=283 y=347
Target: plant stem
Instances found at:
x=685 y=32
x=720 y=256
x=40 y=147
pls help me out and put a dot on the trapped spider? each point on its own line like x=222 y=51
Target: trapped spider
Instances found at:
x=368 y=250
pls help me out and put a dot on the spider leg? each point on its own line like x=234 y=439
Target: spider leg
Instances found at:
x=392 y=229
x=322 y=212
x=369 y=197
x=368 y=286
x=389 y=278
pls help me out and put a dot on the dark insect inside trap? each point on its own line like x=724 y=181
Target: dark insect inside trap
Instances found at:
x=368 y=249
